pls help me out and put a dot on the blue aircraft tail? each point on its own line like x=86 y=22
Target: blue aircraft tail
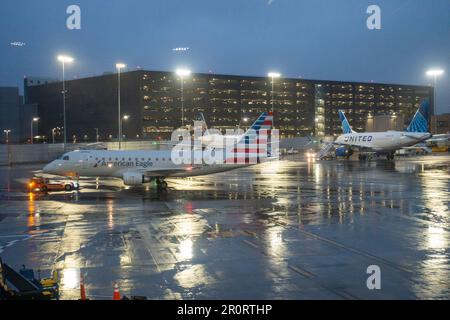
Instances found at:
x=346 y=128
x=420 y=121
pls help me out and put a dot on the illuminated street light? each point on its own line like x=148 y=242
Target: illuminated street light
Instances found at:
x=63 y=60
x=434 y=73
x=7 y=132
x=125 y=117
x=273 y=76
x=33 y=120
x=182 y=73
x=119 y=67
x=53 y=135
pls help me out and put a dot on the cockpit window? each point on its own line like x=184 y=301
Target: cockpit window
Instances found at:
x=65 y=158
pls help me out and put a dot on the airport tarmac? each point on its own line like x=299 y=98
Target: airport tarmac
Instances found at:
x=290 y=229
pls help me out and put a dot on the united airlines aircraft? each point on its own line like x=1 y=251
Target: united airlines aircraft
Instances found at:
x=387 y=142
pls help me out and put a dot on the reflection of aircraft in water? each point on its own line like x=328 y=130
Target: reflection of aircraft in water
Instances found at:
x=382 y=143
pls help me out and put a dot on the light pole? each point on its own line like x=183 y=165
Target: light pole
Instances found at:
x=125 y=117
x=182 y=73
x=36 y=119
x=7 y=132
x=435 y=73
x=96 y=133
x=53 y=135
x=64 y=60
x=273 y=75
x=119 y=67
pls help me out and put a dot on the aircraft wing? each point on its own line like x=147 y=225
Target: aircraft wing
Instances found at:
x=163 y=172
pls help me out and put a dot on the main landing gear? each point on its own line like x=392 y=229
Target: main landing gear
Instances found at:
x=161 y=184
x=390 y=156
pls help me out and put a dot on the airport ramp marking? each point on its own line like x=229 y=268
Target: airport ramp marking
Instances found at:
x=13 y=242
x=250 y=243
x=356 y=251
x=145 y=234
x=348 y=248
x=302 y=271
x=306 y=274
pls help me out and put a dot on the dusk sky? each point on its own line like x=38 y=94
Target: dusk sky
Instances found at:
x=314 y=39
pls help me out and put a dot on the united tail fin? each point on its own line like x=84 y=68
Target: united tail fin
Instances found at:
x=420 y=121
x=346 y=128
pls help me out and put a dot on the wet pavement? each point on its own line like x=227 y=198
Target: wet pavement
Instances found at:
x=283 y=230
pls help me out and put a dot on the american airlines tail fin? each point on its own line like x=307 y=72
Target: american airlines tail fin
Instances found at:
x=420 y=121
x=254 y=145
x=264 y=121
x=346 y=128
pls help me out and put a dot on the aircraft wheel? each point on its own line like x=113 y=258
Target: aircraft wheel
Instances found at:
x=68 y=187
x=163 y=185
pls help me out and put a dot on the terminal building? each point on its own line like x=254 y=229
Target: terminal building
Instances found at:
x=152 y=100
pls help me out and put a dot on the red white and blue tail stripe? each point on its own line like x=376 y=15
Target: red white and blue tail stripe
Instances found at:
x=255 y=144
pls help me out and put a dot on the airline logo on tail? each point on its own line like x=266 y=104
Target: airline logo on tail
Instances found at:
x=260 y=141
x=263 y=122
x=346 y=128
x=420 y=121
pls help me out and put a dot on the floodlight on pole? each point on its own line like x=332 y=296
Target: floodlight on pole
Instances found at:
x=119 y=67
x=434 y=73
x=7 y=132
x=124 y=117
x=64 y=59
x=273 y=75
x=182 y=73
x=33 y=120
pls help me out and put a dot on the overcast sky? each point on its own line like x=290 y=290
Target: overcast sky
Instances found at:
x=315 y=39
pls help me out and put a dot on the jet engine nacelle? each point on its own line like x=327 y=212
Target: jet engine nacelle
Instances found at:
x=134 y=178
x=343 y=152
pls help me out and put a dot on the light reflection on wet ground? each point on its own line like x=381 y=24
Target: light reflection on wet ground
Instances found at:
x=283 y=230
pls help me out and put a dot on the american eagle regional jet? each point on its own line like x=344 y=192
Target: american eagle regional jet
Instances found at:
x=136 y=167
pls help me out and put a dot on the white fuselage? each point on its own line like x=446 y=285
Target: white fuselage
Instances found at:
x=382 y=141
x=109 y=163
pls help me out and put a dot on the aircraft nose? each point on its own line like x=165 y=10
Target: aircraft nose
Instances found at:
x=48 y=168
